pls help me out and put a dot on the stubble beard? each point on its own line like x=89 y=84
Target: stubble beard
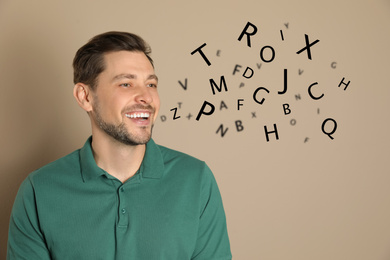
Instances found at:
x=119 y=132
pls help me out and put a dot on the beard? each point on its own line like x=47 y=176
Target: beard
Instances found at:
x=119 y=132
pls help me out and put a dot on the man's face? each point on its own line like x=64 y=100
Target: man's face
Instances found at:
x=125 y=102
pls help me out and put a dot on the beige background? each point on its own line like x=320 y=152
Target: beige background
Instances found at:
x=284 y=199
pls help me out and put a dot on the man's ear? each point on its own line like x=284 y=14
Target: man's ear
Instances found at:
x=83 y=96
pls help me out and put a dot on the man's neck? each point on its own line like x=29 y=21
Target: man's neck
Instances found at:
x=119 y=160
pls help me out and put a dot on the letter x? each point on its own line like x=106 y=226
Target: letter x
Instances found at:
x=308 y=45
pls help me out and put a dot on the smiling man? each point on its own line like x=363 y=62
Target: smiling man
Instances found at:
x=121 y=196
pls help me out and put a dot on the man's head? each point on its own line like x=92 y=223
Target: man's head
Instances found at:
x=88 y=62
x=116 y=84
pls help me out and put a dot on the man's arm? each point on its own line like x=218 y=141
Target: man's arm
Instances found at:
x=25 y=240
x=213 y=241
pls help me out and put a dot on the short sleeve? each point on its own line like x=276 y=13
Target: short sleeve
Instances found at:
x=213 y=241
x=25 y=240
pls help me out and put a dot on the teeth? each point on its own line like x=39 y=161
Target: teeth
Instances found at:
x=138 y=115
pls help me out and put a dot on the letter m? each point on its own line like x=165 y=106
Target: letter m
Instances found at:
x=222 y=83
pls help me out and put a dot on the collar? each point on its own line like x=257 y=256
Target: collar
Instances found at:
x=152 y=165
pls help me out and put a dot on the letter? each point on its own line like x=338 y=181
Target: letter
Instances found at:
x=174 y=113
x=272 y=56
x=274 y=131
x=223 y=105
x=286 y=108
x=308 y=45
x=222 y=82
x=185 y=84
x=300 y=71
x=220 y=128
x=241 y=85
x=297 y=96
x=201 y=111
x=293 y=122
x=346 y=85
x=239 y=104
x=285 y=83
x=286 y=24
x=281 y=34
x=235 y=69
x=311 y=95
x=259 y=65
x=246 y=71
x=179 y=103
x=334 y=127
x=189 y=116
x=239 y=125
x=333 y=65
x=248 y=34
x=254 y=95
x=163 y=118
x=306 y=139
x=253 y=114
x=318 y=111
x=199 y=49
x=218 y=52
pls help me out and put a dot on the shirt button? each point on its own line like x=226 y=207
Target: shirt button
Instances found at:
x=123 y=211
x=122 y=189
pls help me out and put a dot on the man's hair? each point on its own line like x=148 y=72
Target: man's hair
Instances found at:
x=88 y=62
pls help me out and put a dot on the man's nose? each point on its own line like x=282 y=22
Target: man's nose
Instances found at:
x=143 y=95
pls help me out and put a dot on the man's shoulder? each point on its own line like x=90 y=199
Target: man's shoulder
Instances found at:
x=67 y=163
x=182 y=162
x=170 y=154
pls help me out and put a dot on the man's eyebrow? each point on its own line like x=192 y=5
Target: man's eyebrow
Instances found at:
x=126 y=76
x=132 y=76
x=153 y=76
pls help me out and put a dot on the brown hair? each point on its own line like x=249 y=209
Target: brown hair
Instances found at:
x=88 y=62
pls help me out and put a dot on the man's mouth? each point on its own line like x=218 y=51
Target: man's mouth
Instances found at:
x=138 y=115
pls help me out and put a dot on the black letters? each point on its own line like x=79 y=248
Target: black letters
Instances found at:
x=308 y=45
x=275 y=131
x=199 y=49
x=254 y=95
x=253 y=114
x=346 y=85
x=334 y=127
x=174 y=113
x=248 y=35
x=285 y=83
x=239 y=126
x=220 y=128
x=250 y=76
x=239 y=104
x=311 y=95
x=286 y=108
x=222 y=82
x=223 y=105
x=272 y=56
x=293 y=122
x=201 y=111
x=185 y=84
x=235 y=68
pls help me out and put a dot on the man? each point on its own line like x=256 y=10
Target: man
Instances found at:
x=120 y=196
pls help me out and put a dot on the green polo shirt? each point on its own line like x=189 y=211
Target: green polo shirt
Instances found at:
x=72 y=209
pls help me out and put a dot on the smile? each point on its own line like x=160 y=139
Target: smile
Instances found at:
x=138 y=115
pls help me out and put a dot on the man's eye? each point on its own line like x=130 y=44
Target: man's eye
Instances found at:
x=126 y=85
x=152 y=85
